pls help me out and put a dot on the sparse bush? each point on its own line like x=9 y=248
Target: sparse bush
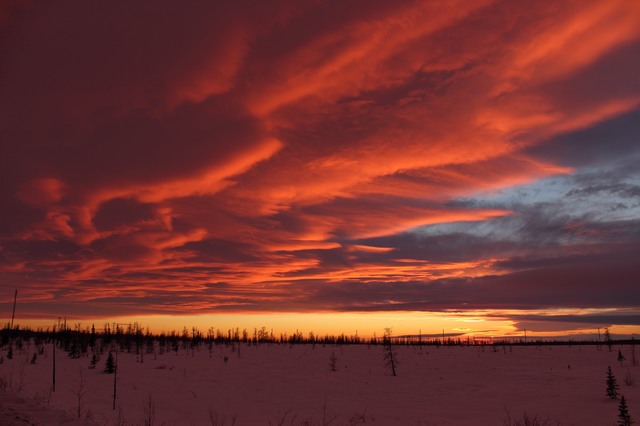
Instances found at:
x=629 y=378
x=218 y=419
x=529 y=420
x=149 y=409
x=121 y=421
x=79 y=391
x=21 y=379
x=280 y=419
x=333 y=362
x=358 y=418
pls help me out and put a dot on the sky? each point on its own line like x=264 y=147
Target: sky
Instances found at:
x=422 y=165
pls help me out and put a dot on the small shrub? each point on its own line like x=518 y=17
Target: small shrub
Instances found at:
x=149 y=412
x=218 y=419
x=529 y=420
x=333 y=360
x=629 y=378
x=621 y=358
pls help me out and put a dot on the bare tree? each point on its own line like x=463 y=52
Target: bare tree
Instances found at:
x=390 y=356
x=79 y=391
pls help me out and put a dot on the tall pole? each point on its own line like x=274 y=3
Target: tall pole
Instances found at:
x=13 y=314
x=53 y=387
x=115 y=375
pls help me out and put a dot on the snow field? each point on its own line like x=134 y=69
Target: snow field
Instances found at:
x=270 y=383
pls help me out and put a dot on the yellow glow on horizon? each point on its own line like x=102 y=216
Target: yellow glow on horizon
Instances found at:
x=363 y=324
x=486 y=323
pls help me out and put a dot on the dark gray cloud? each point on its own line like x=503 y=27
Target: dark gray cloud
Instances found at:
x=604 y=143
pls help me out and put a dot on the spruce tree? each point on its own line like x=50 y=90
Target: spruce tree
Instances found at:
x=110 y=366
x=612 y=385
x=624 y=419
x=74 y=349
x=93 y=362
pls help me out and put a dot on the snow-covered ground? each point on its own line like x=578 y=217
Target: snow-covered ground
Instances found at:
x=294 y=385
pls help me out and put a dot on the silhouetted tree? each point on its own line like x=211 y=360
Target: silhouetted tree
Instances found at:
x=34 y=358
x=624 y=419
x=110 y=365
x=93 y=362
x=612 y=385
x=607 y=338
x=390 y=357
x=92 y=337
x=74 y=349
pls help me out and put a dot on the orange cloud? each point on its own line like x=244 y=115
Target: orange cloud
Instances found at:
x=41 y=192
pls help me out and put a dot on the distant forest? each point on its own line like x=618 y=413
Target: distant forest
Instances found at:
x=78 y=341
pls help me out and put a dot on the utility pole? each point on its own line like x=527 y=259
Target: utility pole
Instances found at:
x=53 y=341
x=13 y=314
x=115 y=376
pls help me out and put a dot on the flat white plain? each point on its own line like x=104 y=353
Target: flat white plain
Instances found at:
x=267 y=383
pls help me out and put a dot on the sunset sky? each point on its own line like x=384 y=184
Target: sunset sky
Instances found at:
x=332 y=166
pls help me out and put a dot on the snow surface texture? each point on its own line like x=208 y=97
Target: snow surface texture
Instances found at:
x=264 y=384
x=15 y=411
